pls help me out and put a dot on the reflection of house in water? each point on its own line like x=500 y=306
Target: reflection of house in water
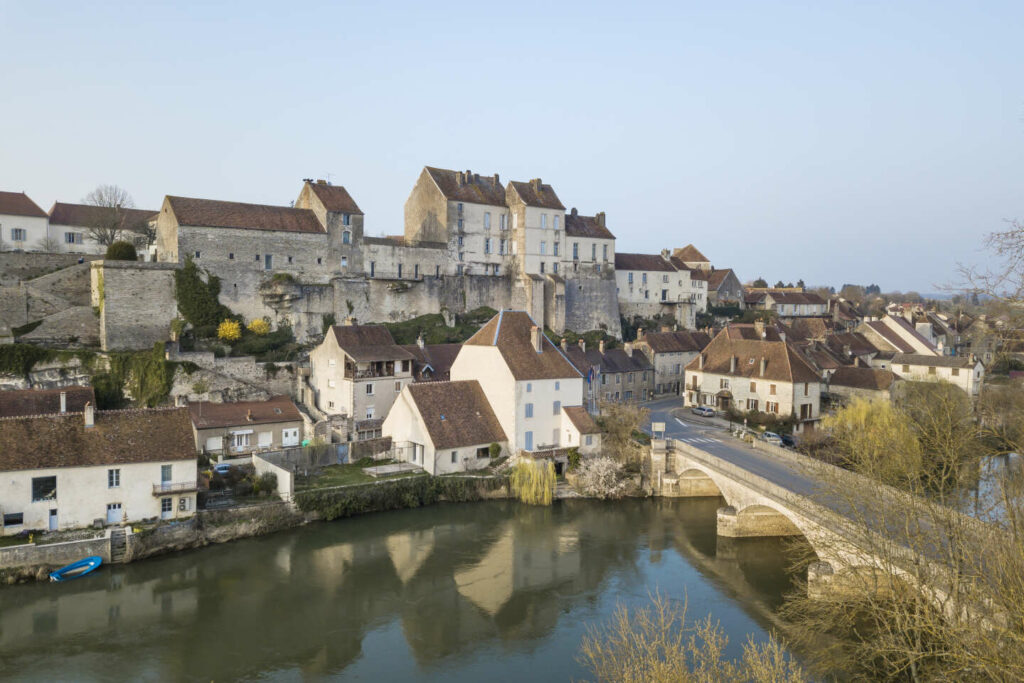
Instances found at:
x=409 y=550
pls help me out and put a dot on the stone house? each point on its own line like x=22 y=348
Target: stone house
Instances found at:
x=28 y=402
x=538 y=218
x=748 y=368
x=432 y=362
x=965 y=372
x=850 y=381
x=616 y=375
x=232 y=429
x=669 y=351
x=894 y=334
x=589 y=244
x=691 y=257
x=358 y=371
x=23 y=225
x=724 y=287
x=527 y=380
x=581 y=432
x=651 y=284
x=70 y=225
x=444 y=427
x=787 y=303
x=69 y=470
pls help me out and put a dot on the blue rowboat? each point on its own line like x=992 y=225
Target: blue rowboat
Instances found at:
x=76 y=569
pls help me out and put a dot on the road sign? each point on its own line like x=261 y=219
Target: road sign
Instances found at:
x=658 y=429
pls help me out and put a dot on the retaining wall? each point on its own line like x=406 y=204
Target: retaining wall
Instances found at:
x=54 y=554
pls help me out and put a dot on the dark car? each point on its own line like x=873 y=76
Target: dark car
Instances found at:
x=788 y=440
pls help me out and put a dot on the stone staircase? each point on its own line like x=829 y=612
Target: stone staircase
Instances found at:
x=118 y=546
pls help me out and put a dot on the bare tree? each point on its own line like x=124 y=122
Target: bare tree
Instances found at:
x=48 y=244
x=107 y=221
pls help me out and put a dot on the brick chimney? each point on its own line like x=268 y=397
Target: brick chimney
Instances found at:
x=583 y=345
x=574 y=212
x=63 y=401
x=536 y=339
x=764 y=365
x=600 y=218
x=90 y=414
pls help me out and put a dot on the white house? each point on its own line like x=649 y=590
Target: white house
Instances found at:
x=70 y=225
x=23 y=225
x=65 y=471
x=527 y=380
x=445 y=426
x=966 y=373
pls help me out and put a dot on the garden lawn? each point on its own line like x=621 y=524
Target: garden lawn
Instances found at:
x=345 y=475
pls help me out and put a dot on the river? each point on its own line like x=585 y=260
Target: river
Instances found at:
x=493 y=591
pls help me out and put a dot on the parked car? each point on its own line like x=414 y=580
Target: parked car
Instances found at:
x=222 y=468
x=772 y=438
x=788 y=440
x=704 y=411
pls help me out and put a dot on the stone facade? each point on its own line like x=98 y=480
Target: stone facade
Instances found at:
x=136 y=303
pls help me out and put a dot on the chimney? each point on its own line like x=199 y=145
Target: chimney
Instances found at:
x=846 y=350
x=574 y=212
x=732 y=365
x=600 y=347
x=63 y=402
x=759 y=328
x=248 y=415
x=460 y=178
x=600 y=218
x=856 y=362
x=535 y=184
x=583 y=345
x=419 y=340
x=764 y=365
x=565 y=344
x=536 y=339
x=639 y=334
x=628 y=348
x=700 y=361
x=320 y=181
x=90 y=414
x=497 y=180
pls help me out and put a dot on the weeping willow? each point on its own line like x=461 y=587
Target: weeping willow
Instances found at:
x=533 y=483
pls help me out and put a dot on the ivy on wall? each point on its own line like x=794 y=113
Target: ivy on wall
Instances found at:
x=197 y=298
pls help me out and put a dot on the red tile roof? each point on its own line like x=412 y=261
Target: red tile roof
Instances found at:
x=690 y=253
x=335 y=198
x=44 y=401
x=19 y=204
x=456 y=414
x=369 y=343
x=468 y=187
x=207 y=415
x=581 y=419
x=218 y=214
x=84 y=215
x=510 y=332
x=784 y=362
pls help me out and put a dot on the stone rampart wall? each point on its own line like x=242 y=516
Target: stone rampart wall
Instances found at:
x=136 y=302
x=15 y=267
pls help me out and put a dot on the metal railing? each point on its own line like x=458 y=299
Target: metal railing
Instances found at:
x=174 y=487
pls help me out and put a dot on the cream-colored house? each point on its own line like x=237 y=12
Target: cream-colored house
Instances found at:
x=68 y=470
x=70 y=225
x=23 y=225
x=526 y=378
x=231 y=429
x=358 y=371
x=589 y=244
x=748 y=368
x=652 y=284
x=894 y=334
x=538 y=222
x=445 y=427
x=965 y=372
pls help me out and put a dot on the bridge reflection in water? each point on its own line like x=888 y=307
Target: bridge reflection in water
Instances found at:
x=450 y=591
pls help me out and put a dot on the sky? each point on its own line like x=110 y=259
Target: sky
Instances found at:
x=866 y=142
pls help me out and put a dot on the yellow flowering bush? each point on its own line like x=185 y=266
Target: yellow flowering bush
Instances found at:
x=229 y=331
x=259 y=327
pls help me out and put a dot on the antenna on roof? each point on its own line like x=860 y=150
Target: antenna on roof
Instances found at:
x=329 y=178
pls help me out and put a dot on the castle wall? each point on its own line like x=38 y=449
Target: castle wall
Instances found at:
x=136 y=302
x=591 y=302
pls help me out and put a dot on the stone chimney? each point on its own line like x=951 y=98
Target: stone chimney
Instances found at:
x=628 y=348
x=535 y=183
x=248 y=415
x=583 y=344
x=666 y=328
x=63 y=402
x=600 y=346
x=847 y=351
x=574 y=212
x=497 y=180
x=90 y=414
x=565 y=344
x=600 y=218
x=639 y=334
x=759 y=329
x=419 y=340
x=536 y=339
x=732 y=365
x=700 y=361
x=764 y=365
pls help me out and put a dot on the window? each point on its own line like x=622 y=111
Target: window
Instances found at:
x=239 y=440
x=44 y=488
x=14 y=519
x=604 y=379
x=529 y=387
x=906 y=368
x=664 y=278
x=501 y=247
x=416 y=271
x=231 y=256
x=556 y=407
x=558 y=385
x=196 y=254
x=529 y=441
x=575 y=251
x=166 y=505
x=268 y=261
x=319 y=260
x=772 y=407
x=257 y=258
x=373 y=268
x=344 y=261
x=590 y=439
x=541 y=266
x=543 y=220
x=593 y=253
x=113 y=479
x=543 y=247
x=628 y=395
x=487 y=220
x=956 y=372
x=460 y=208
x=751 y=404
x=461 y=223
x=807 y=388
x=723 y=383
x=455 y=457
x=369 y=412
x=330 y=383
x=771 y=389
x=73 y=238
x=437 y=271
x=369 y=388
x=18 y=235
x=330 y=404
x=399 y=270
x=664 y=295
x=554 y=266
x=487 y=245
x=346 y=237
x=931 y=370
x=618 y=379
x=529 y=410
x=604 y=252
x=554 y=247
x=643 y=278
x=556 y=222
x=629 y=278
x=753 y=386
x=460 y=238
x=504 y=222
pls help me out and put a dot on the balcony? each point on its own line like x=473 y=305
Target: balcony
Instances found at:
x=169 y=488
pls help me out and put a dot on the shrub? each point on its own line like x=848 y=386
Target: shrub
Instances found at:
x=602 y=478
x=574 y=459
x=121 y=251
x=258 y=327
x=533 y=482
x=197 y=299
x=266 y=482
x=229 y=330
x=494 y=450
x=243 y=488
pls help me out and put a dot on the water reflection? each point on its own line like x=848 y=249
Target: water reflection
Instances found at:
x=463 y=585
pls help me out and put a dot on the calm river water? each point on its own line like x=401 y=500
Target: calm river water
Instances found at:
x=490 y=591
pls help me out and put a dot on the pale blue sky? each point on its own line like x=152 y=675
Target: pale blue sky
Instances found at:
x=862 y=142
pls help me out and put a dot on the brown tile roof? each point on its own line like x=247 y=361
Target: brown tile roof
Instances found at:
x=717 y=277
x=535 y=193
x=676 y=342
x=586 y=226
x=862 y=378
x=19 y=204
x=84 y=215
x=335 y=198
x=690 y=253
x=890 y=336
x=781 y=297
x=217 y=214
x=510 y=332
x=811 y=328
x=909 y=329
x=118 y=437
x=650 y=262
x=456 y=414
x=785 y=364
x=473 y=188
x=581 y=419
x=858 y=343
x=44 y=401
x=698 y=274
x=206 y=415
x=680 y=265
x=369 y=342
x=438 y=356
x=935 y=361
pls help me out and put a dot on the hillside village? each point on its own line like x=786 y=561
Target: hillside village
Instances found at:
x=498 y=327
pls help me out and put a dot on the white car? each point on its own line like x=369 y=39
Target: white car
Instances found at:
x=772 y=438
x=704 y=411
